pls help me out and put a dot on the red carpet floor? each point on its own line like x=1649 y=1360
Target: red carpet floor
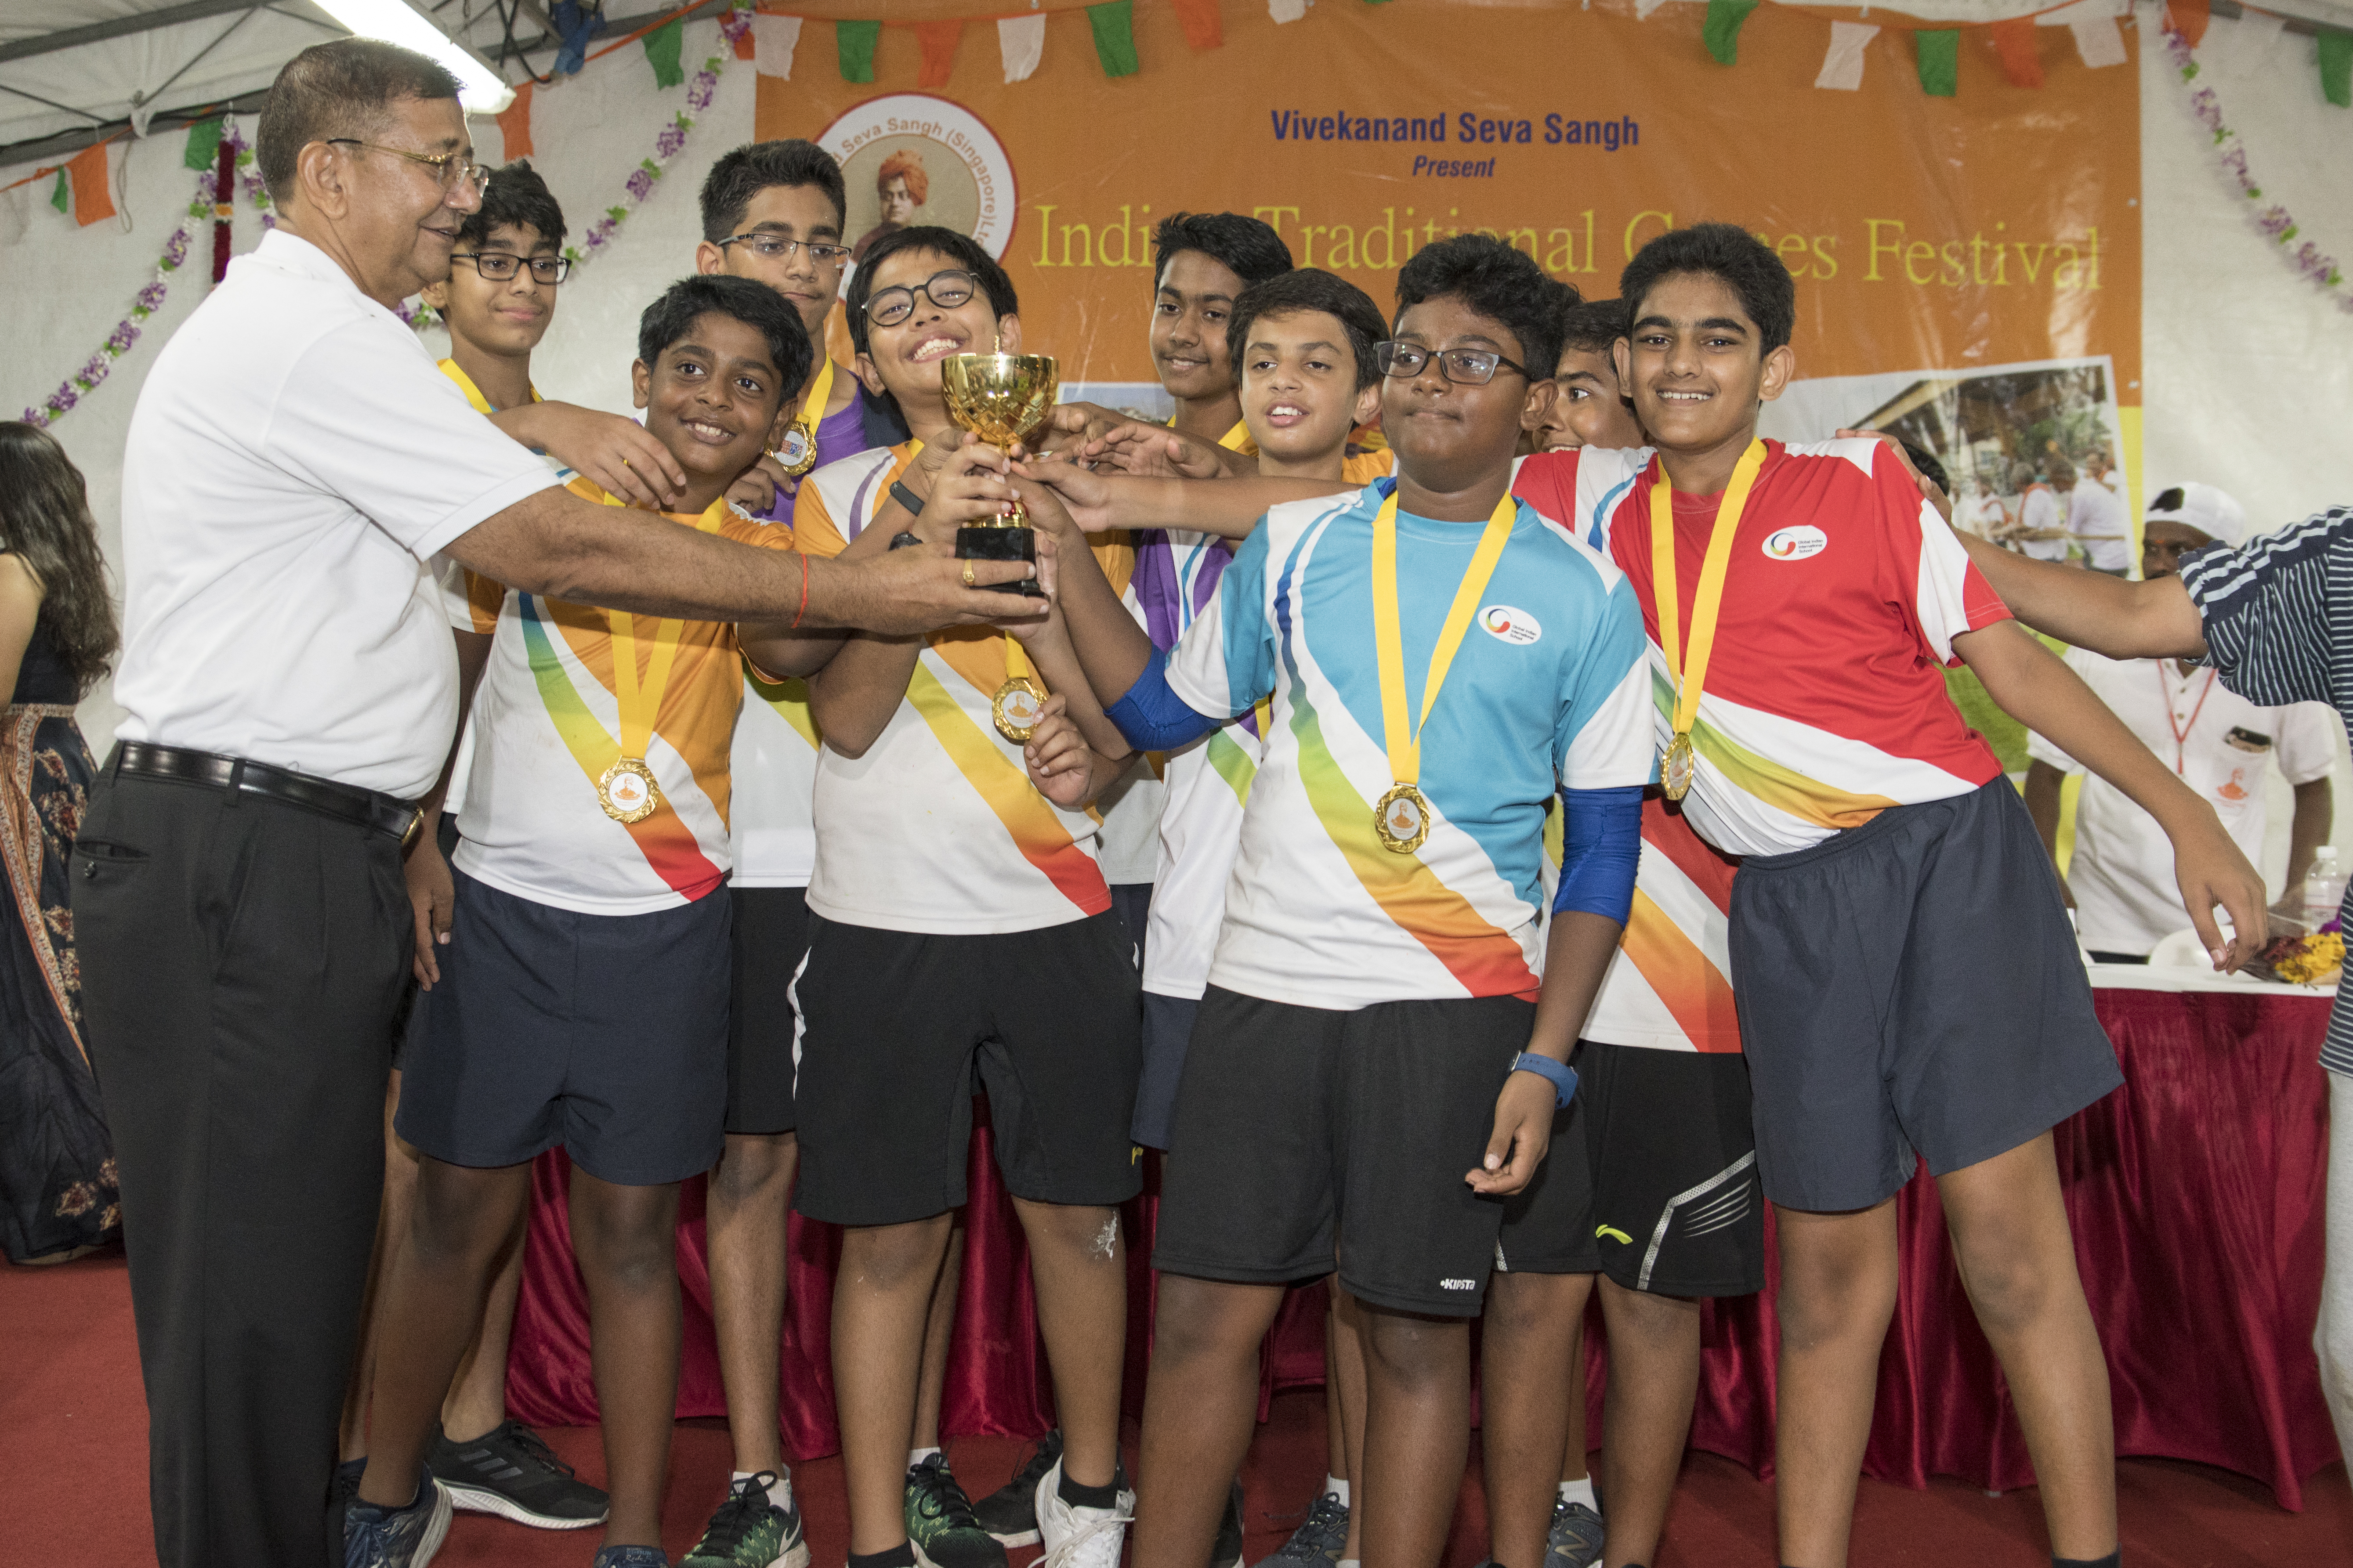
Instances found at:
x=73 y=1432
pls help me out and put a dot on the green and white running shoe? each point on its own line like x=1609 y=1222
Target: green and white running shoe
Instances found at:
x=751 y=1532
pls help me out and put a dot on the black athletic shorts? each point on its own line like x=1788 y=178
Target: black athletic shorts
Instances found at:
x=771 y=935
x=607 y=1034
x=1669 y=1198
x=1909 y=988
x=1168 y=1027
x=1297 y=1124
x=1132 y=902
x=899 y=1028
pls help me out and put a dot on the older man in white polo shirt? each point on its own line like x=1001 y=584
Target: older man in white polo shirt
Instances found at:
x=291 y=688
x=2121 y=875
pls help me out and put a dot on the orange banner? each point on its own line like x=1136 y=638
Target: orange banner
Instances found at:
x=1997 y=228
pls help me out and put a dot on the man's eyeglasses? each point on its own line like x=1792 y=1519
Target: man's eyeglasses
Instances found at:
x=889 y=307
x=773 y=246
x=498 y=266
x=453 y=168
x=1464 y=367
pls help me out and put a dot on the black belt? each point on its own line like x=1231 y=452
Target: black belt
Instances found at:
x=385 y=814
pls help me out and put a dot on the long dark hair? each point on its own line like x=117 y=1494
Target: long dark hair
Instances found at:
x=45 y=522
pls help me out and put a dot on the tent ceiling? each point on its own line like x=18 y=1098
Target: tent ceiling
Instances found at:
x=72 y=69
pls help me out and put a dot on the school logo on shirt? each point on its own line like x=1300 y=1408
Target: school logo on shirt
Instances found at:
x=1506 y=624
x=1795 y=543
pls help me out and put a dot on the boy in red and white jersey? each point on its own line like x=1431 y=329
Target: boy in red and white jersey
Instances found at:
x=1799 y=602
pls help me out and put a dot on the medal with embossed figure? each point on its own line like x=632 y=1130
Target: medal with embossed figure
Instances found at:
x=1402 y=816
x=797 y=453
x=1688 y=671
x=1020 y=702
x=626 y=789
x=627 y=792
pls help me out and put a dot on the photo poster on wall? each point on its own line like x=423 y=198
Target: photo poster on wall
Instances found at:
x=1934 y=238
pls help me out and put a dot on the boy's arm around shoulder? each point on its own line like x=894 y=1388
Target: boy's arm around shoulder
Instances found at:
x=2152 y=619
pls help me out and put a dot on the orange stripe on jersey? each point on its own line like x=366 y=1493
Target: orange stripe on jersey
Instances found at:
x=1680 y=975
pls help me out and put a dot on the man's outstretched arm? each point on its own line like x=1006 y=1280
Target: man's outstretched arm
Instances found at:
x=555 y=543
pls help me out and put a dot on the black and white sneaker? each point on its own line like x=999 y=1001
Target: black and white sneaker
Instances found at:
x=1010 y=1514
x=407 y=1537
x=1575 y=1536
x=1318 y=1541
x=508 y=1471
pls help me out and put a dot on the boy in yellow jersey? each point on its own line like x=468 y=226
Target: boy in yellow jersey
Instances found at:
x=772 y=213
x=498 y=304
x=581 y=997
x=961 y=935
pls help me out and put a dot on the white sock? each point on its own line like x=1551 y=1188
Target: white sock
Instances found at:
x=917 y=1455
x=1336 y=1487
x=1580 y=1490
x=780 y=1491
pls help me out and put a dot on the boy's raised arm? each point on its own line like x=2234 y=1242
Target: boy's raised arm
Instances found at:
x=1227 y=507
x=2033 y=685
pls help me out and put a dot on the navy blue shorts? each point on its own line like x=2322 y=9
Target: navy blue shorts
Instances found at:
x=1167 y=1029
x=604 y=1034
x=1909 y=988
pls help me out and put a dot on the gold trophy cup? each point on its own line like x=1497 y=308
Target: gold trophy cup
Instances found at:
x=1003 y=399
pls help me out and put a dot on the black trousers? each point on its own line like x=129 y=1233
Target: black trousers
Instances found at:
x=241 y=960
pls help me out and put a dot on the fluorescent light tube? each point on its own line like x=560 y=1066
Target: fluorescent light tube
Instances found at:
x=480 y=90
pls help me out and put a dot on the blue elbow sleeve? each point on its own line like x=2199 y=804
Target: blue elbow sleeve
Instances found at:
x=1152 y=717
x=1601 y=845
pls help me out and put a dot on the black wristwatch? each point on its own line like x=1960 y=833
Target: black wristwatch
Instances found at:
x=900 y=539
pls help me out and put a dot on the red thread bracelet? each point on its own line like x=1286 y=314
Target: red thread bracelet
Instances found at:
x=804 y=582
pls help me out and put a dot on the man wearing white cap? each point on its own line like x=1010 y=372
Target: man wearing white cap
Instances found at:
x=2121 y=875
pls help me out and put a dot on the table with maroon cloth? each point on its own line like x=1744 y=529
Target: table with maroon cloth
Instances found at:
x=2195 y=1191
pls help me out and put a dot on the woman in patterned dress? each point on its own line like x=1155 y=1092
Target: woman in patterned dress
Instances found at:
x=58 y=637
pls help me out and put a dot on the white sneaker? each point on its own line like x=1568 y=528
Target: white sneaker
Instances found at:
x=1080 y=1537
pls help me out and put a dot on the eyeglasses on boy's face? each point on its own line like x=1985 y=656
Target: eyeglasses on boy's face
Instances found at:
x=947 y=289
x=498 y=266
x=774 y=246
x=453 y=169
x=1464 y=367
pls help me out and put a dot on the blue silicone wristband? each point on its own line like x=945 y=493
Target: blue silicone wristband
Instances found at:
x=1562 y=1077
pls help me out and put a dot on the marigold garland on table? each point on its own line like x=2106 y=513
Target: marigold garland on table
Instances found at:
x=2275 y=221
x=209 y=203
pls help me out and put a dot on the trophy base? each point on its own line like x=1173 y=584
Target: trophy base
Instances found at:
x=1001 y=545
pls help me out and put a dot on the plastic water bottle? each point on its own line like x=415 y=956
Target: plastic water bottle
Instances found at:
x=2323 y=887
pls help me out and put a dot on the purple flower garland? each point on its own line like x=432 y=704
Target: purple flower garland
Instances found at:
x=2274 y=221
x=150 y=299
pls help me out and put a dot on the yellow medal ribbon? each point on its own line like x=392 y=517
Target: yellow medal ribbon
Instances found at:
x=450 y=368
x=798 y=454
x=626 y=789
x=1401 y=819
x=1237 y=438
x=1688 y=672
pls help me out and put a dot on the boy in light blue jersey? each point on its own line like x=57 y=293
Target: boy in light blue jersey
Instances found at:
x=1440 y=659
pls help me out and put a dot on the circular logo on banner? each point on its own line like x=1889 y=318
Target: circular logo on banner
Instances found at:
x=1795 y=543
x=1506 y=624
x=909 y=158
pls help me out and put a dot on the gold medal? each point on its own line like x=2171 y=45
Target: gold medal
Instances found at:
x=627 y=792
x=1401 y=820
x=1687 y=670
x=797 y=451
x=1675 y=773
x=1017 y=708
x=626 y=789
